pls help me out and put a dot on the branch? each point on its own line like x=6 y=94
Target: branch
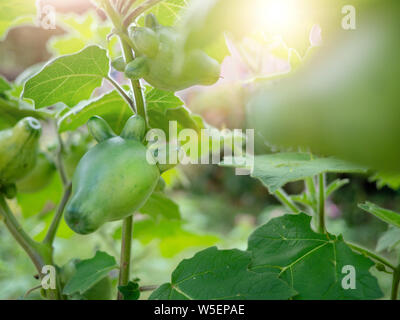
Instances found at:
x=281 y=195
x=139 y=10
x=51 y=233
x=59 y=160
x=125 y=260
x=371 y=255
x=25 y=241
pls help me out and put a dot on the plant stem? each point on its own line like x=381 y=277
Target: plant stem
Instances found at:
x=281 y=195
x=126 y=246
x=51 y=233
x=310 y=185
x=371 y=255
x=25 y=241
x=321 y=203
x=122 y=93
x=395 y=284
x=60 y=163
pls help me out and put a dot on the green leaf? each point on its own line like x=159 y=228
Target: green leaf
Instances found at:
x=167 y=12
x=164 y=106
x=4 y=85
x=311 y=263
x=385 y=215
x=89 y=272
x=276 y=170
x=391 y=180
x=159 y=205
x=11 y=111
x=130 y=291
x=110 y=106
x=68 y=79
x=13 y=13
x=172 y=235
x=214 y=274
x=389 y=240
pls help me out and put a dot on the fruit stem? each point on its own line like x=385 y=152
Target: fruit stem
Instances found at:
x=60 y=164
x=122 y=93
x=125 y=260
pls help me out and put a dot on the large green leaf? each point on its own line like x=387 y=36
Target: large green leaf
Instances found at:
x=311 y=263
x=68 y=79
x=276 y=170
x=15 y=12
x=89 y=272
x=221 y=275
x=110 y=106
x=388 y=216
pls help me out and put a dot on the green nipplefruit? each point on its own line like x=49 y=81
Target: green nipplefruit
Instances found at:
x=114 y=179
x=39 y=177
x=156 y=47
x=18 y=150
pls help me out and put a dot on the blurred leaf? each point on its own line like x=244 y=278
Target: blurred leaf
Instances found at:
x=389 y=240
x=4 y=85
x=172 y=235
x=68 y=79
x=130 y=291
x=11 y=111
x=110 y=106
x=63 y=230
x=276 y=170
x=32 y=204
x=214 y=274
x=164 y=106
x=391 y=180
x=82 y=30
x=159 y=205
x=13 y=13
x=167 y=11
x=311 y=263
x=89 y=272
x=385 y=215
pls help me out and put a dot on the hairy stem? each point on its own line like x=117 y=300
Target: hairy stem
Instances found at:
x=51 y=233
x=281 y=195
x=122 y=93
x=321 y=203
x=125 y=259
x=372 y=255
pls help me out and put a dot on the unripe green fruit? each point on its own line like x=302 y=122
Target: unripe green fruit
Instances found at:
x=39 y=177
x=159 y=63
x=145 y=40
x=113 y=180
x=18 y=150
